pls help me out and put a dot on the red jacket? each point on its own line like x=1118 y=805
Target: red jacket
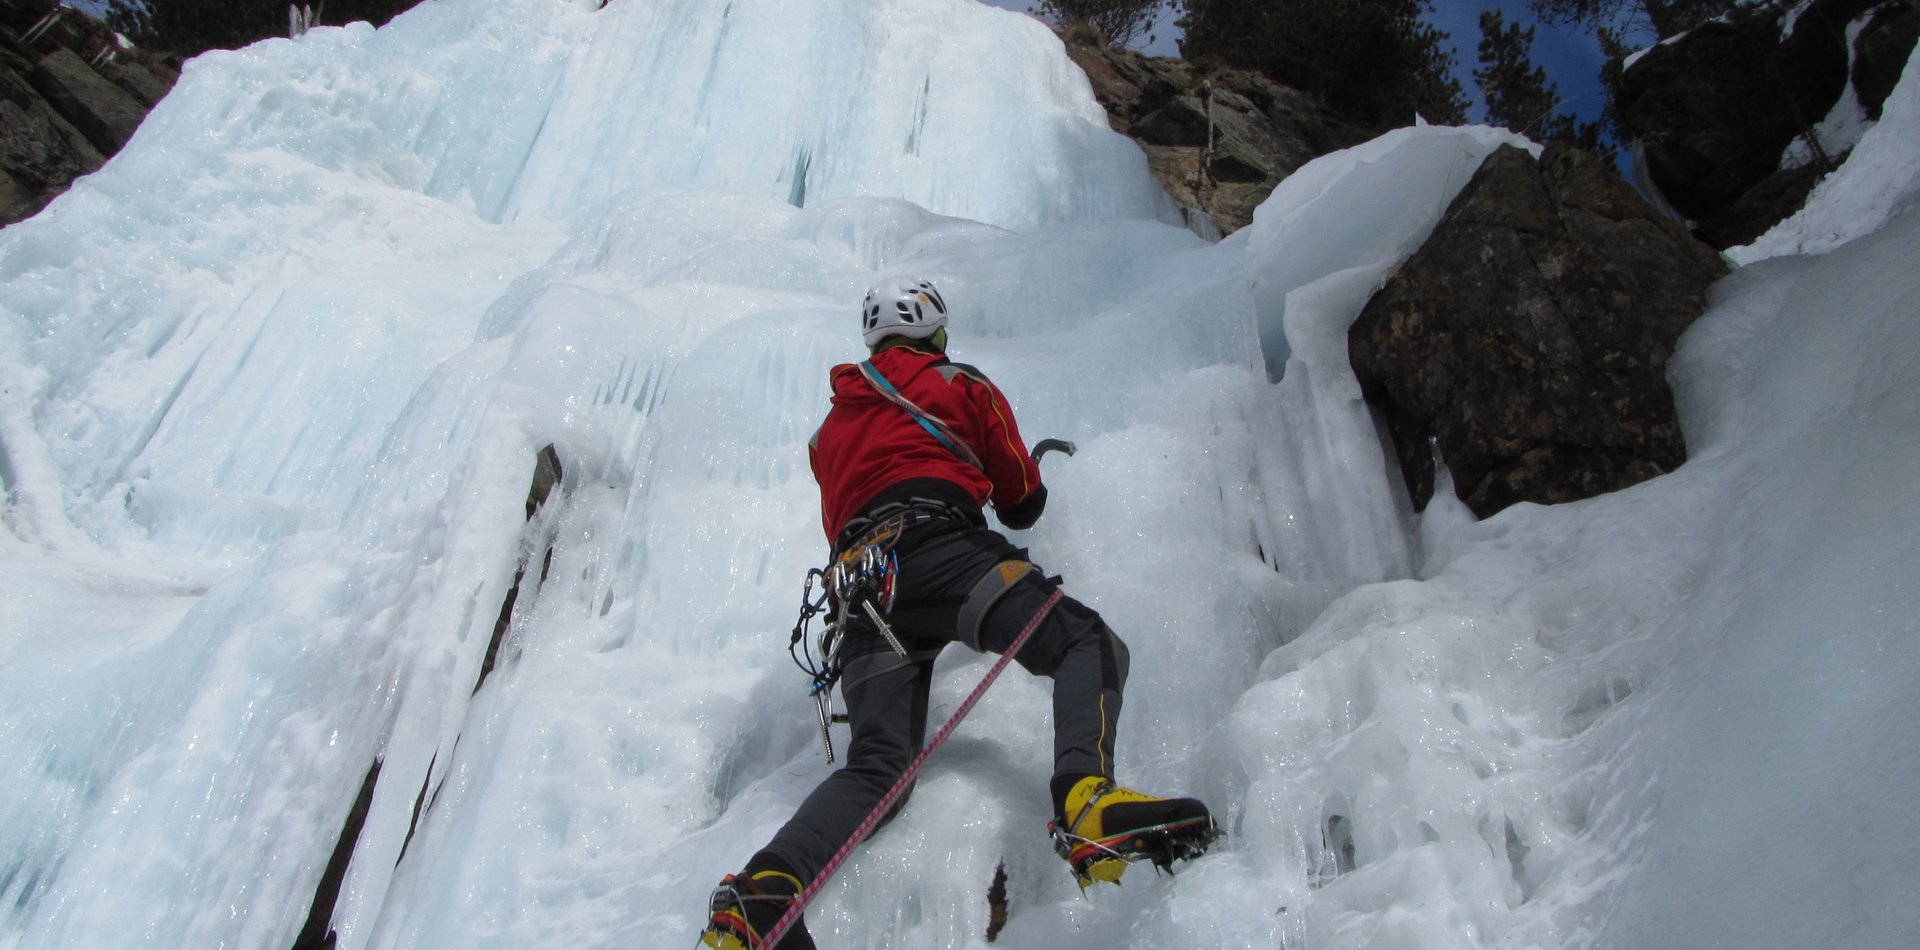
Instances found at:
x=869 y=444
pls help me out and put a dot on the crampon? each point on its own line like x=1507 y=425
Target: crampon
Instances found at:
x=1106 y=859
x=743 y=910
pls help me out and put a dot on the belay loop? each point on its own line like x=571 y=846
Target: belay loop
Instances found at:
x=861 y=577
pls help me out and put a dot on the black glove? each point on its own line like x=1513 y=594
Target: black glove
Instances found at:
x=1024 y=514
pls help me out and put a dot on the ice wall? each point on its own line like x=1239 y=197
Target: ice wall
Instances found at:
x=805 y=100
x=1192 y=515
x=276 y=378
x=273 y=382
x=1778 y=754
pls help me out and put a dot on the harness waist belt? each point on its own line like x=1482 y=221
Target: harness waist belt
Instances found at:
x=913 y=511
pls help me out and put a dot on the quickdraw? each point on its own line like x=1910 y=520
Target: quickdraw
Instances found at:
x=860 y=577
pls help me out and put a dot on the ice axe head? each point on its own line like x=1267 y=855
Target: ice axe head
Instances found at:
x=1051 y=445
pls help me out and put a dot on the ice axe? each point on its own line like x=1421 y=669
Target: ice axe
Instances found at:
x=1050 y=445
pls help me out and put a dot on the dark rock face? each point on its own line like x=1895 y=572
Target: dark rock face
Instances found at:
x=1881 y=51
x=1760 y=207
x=1716 y=109
x=1528 y=338
x=69 y=99
x=39 y=149
x=1217 y=140
x=104 y=112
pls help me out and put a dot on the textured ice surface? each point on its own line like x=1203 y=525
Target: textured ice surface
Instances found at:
x=272 y=384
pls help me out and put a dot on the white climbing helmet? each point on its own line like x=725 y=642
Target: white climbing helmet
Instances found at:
x=902 y=307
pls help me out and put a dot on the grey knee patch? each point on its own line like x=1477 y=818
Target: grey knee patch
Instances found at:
x=866 y=666
x=1121 y=659
x=992 y=586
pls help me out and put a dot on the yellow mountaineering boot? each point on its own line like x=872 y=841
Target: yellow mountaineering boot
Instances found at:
x=1103 y=828
x=746 y=906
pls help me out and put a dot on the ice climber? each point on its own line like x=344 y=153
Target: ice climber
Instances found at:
x=910 y=470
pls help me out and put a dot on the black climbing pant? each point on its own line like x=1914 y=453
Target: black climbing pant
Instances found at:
x=952 y=588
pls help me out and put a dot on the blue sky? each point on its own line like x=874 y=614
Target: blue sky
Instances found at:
x=1571 y=57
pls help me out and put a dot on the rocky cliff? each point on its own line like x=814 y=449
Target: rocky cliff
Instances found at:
x=70 y=97
x=1740 y=117
x=1218 y=139
x=1525 y=343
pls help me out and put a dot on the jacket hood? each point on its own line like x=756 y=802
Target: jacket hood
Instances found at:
x=900 y=365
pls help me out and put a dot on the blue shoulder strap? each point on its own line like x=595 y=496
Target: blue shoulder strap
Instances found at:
x=934 y=427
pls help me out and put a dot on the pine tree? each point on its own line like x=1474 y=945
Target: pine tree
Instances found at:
x=1517 y=92
x=1122 y=22
x=1663 y=17
x=1613 y=52
x=1377 y=62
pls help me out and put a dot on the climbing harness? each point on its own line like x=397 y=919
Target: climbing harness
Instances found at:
x=885 y=805
x=863 y=576
x=991 y=587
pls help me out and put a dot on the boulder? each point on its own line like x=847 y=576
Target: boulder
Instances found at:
x=1527 y=340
